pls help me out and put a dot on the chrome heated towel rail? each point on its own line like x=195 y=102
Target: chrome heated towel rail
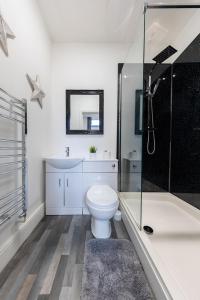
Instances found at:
x=12 y=157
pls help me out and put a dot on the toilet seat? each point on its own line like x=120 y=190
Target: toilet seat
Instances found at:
x=102 y=202
x=102 y=197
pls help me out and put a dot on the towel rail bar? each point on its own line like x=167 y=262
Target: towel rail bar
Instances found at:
x=11 y=215
x=13 y=163
x=11 y=200
x=11 y=207
x=11 y=141
x=20 y=101
x=12 y=119
x=11 y=155
x=13 y=104
x=12 y=193
x=12 y=111
x=13 y=171
x=12 y=148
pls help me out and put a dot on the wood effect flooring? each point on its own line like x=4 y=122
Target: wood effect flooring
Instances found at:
x=49 y=265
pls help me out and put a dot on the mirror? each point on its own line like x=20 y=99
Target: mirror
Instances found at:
x=84 y=111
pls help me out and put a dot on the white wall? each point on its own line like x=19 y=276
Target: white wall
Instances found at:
x=29 y=53
x=84 y=66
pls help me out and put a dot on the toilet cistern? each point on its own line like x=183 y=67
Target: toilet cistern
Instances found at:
x=67 y=151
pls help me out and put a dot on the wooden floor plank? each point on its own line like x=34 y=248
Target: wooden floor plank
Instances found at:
x=48 y=281
x=68 y=221
x=75 y=221
x=121 y=230
x=58 y=280
x=72 y=258
x=43 y=297
x=81 y=248
x=26 y=287
x=77 y=282
x=113 y=231
x=65 y=293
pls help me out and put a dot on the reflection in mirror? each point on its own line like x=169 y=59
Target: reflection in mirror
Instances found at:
x=84 y=111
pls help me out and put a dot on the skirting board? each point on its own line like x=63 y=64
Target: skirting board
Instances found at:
x=160 y=290
x=10 y=247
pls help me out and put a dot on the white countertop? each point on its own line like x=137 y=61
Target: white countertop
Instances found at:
x=100 y=159
x=87 y=159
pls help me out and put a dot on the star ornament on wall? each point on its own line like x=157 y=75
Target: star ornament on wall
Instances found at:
x=37 y=92
x=5 y=34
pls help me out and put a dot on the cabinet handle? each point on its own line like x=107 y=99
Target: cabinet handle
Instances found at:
x=67 y=184
x=59 y=182
x=113 y=165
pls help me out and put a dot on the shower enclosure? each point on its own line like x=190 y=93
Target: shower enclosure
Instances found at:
x=159 y=144
x=130 y=111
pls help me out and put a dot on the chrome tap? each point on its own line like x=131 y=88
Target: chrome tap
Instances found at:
x=67 y=151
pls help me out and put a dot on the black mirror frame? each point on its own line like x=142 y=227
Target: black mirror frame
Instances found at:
x=101 y=111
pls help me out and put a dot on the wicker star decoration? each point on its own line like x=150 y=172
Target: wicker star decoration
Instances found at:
x=37 y=92
x=5 y=33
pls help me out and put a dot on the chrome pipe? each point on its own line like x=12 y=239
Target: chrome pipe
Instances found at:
x=11 y=193
x=12 y=163
x=11 y=155
x=12 y=148
x=11 y=141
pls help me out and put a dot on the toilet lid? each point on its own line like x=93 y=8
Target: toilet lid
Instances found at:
x=102 y=196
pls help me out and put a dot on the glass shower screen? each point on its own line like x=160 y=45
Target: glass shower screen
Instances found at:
x=130 y=120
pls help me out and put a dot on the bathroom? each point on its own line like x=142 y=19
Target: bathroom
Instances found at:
x=99 y=144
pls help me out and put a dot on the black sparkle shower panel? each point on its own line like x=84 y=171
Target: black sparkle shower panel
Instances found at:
x=156 y=167
x=185 y=158
x=175 y=166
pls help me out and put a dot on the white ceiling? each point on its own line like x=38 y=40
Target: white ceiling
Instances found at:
x=108 y=21
x=91 y=20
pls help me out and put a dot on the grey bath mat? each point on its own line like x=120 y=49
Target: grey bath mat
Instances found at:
x=112 y=271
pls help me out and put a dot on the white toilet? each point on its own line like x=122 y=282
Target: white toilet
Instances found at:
x=102 y=202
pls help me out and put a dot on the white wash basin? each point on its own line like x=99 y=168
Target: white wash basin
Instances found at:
x=60 y=162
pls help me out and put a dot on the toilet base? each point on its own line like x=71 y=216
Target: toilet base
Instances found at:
x=101 y=229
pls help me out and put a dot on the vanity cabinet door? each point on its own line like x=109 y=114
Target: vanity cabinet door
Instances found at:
x=54 y=193
x=73 y=190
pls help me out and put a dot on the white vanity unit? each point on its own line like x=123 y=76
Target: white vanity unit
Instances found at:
x=68 y=180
